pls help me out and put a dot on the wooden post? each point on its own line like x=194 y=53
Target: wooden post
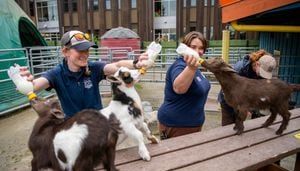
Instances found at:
x=114 y=13
x=70 y=11
x=102 y=18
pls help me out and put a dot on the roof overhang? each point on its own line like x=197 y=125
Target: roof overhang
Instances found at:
x=233 y=10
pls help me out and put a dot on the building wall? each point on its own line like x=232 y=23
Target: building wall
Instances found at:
x=202 y=16
x=93 y=17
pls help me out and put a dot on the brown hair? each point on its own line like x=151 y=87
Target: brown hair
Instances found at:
x=192 y=35
x=255 y=56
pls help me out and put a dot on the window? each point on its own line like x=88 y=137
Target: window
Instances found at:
x=66 y=5
x=47 y=11
x=193 y=3
x=107 y=4
x=133 y=3
x=74 y=5
x=66 y=9
x=211 y=32
x=172 y=6
x=193 y=28
x=96 y=5
x=166 y=34
x=206 y=34
x=42 y=11
x=164 y=8
x=204 y=31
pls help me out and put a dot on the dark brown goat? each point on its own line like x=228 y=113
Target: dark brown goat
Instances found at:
x=244 y=94
x=79 y=143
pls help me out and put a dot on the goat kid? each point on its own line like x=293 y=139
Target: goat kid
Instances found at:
x=244 y=94
x=126 y=105
x=79 y=143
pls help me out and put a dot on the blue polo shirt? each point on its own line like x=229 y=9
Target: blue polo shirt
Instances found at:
x=184 y=110
x=75 y=90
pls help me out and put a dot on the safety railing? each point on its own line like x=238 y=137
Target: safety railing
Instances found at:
x=41 y=59
x=10 y=99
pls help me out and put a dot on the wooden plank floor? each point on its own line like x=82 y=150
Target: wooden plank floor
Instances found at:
x=218 y=149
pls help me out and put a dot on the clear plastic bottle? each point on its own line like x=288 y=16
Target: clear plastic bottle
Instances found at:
x=23 y=85
x=183 y=49
x=152 y=50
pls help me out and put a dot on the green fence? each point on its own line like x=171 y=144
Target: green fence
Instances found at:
x=10 y=99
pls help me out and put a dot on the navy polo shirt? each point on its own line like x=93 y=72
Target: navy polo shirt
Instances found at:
x=75 y=90
x=184 y=110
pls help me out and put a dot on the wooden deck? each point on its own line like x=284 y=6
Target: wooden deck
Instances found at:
x=219 y=149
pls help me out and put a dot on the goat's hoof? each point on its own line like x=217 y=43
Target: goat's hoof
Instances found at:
x=239 y=132
x=265 y=125
x=145 y=155
x=146 y=158
x=235 y=128
x=279 y=132
x=115 y=169
x=153 y=139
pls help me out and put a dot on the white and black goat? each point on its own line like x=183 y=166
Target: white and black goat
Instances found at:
x=126 y=105
x=77 y=144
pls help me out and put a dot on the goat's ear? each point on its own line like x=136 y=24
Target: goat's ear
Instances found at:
x=57 y=113
x=113 y=79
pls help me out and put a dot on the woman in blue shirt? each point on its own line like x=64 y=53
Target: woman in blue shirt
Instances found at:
x=186 y=92
x=76 y=80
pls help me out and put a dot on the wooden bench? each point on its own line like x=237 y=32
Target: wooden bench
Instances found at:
x=219 y=149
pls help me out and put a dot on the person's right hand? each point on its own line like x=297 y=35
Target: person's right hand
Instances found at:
x=25 y=72
x=191 y=62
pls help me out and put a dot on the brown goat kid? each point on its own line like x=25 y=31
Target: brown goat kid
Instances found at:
x=244 y=94
x=79 y=143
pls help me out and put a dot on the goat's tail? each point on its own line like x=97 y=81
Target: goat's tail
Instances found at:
x=295 y=87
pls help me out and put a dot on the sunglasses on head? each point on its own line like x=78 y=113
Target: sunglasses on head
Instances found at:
x=79 y=37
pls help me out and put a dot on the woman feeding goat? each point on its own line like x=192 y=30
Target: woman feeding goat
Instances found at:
x=186 y=91
x=76 y=80
x=257 y=65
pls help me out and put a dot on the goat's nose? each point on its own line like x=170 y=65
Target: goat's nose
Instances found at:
x=33 y=101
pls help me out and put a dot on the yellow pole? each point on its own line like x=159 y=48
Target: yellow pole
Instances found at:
x=225 y=45
x=265 y=28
